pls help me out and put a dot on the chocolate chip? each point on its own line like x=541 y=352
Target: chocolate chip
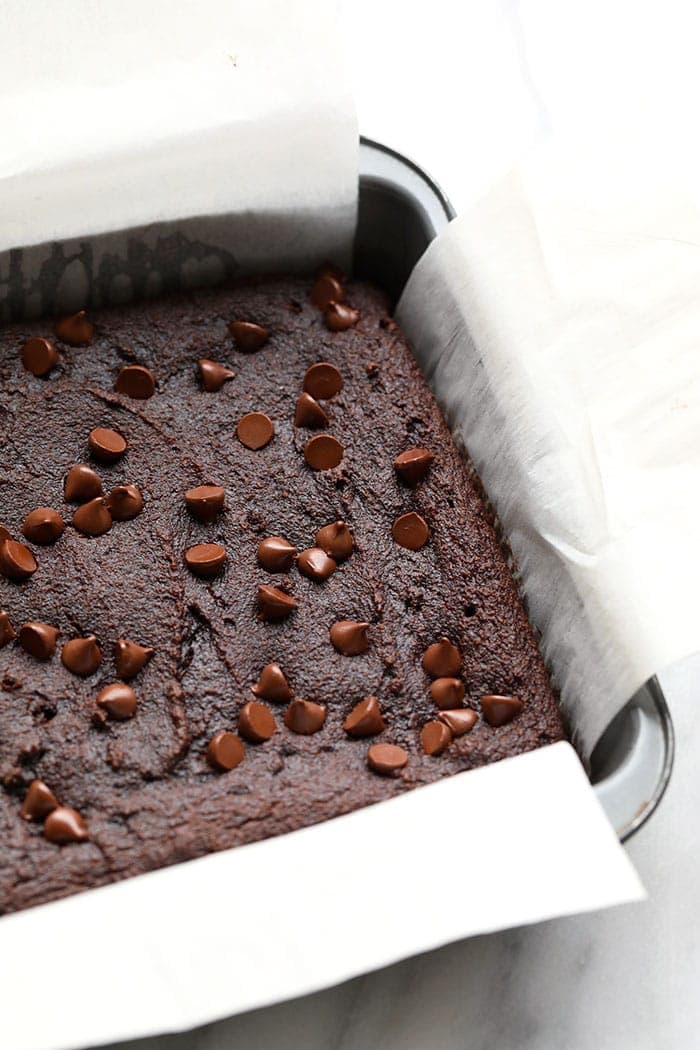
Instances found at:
x=316 y=564
x=442 y=659
x=205 y=559
x=435 y=737
x=205 y=502
x=365 y=719
x=136 y=381
x=350 y=637
x=323 y=381
x=272 y=684
x=326 y=289
x=410 y=531
x=305 y=717
x=125 y=502
x=413 y=464
x=498 y=710
x=309 y=413
x=38 y=802
x=93 y=518
x=323 y=452
x=38 y=639
x=336 y=540
x=255 y=722
x=255 y=430
x=274 y=604
x=7 y=631
x=460 y=721
x=225 y=751
x=130 y=657
x=82 y=655
x=386 y=758
x=248 y=336
x=39 y=356
x=16 y=561
x=43 y=525
x=276 y=554
x=338 y=317
x=213 y=374
x=106 y=445
x=447 y=693
x=76 y=329
x=118 y=700
x=65 y=825
x=81 y=484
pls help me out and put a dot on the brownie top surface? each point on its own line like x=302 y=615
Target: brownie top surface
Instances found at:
x=141 y=769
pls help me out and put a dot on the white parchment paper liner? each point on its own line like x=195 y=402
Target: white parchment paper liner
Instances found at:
x=508 y=844
x=150 y=113
x=517 y=842
x=559 y=324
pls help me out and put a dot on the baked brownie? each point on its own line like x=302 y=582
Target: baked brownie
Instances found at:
x=139 y=720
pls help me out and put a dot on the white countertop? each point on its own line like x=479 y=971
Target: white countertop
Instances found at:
x=463 y=88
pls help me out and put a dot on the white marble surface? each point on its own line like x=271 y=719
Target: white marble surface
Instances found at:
x=463 y=88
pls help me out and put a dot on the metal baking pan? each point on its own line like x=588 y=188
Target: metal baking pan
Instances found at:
x=401 y=211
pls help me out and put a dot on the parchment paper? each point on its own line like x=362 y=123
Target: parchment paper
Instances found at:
x=235 y=117
x=559 y=324
x=509 y=844
x=105 y=138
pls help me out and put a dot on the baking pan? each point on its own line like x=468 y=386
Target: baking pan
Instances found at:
x=401 y=211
